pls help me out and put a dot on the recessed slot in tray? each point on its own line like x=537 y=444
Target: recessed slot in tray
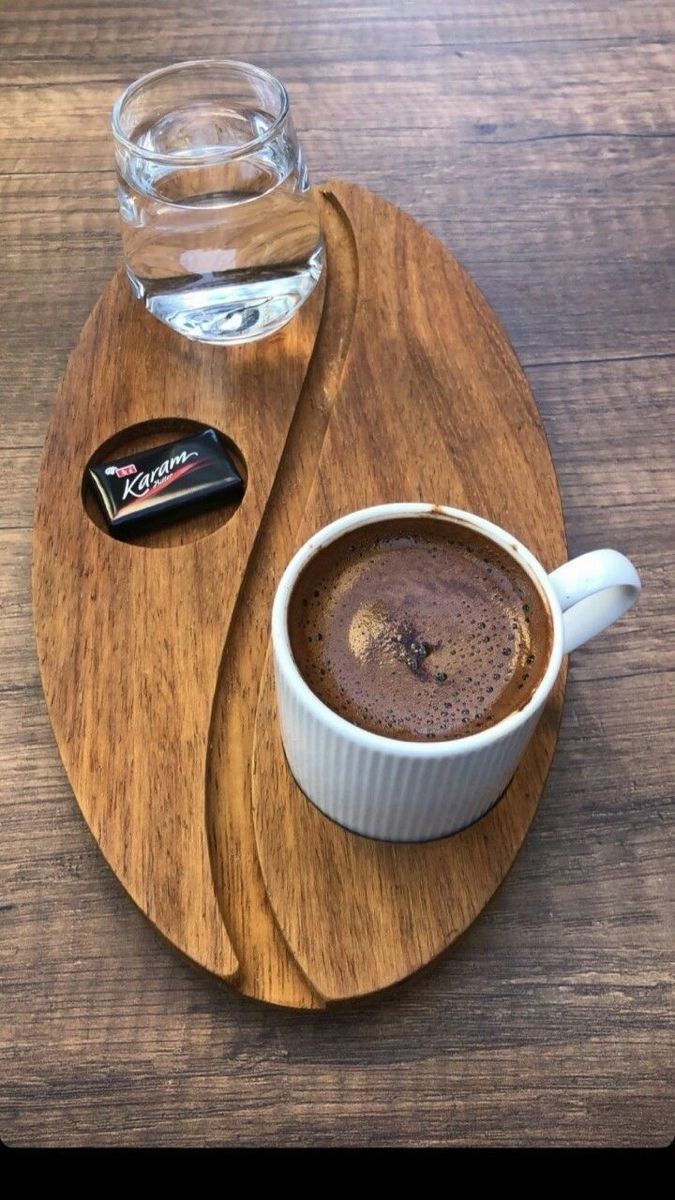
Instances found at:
x=186 y=528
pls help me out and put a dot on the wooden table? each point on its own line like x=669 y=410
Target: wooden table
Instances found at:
x=535 y=139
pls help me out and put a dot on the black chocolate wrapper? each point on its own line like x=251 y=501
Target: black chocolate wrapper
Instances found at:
x=165 y=482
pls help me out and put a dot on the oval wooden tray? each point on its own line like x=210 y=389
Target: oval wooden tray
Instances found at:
x=395 y=382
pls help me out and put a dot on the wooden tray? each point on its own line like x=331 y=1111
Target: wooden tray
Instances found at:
x=395 y=382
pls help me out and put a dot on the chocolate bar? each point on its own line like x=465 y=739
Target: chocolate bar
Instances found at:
x=165 y=482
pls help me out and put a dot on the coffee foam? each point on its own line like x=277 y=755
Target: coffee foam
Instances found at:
x=419 y=629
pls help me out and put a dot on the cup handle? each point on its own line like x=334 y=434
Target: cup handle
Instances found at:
x=594 y=590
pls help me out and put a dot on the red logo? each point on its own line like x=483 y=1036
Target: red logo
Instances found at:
x=120 y=472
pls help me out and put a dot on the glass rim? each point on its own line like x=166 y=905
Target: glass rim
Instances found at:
x=219 y=154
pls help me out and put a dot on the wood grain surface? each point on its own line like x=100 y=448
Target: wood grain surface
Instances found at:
x=433 y=406
x=130 y=636
x=536 y=141
x=152 y=653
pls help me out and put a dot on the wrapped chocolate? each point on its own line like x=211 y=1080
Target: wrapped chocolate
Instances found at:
x=165 y=482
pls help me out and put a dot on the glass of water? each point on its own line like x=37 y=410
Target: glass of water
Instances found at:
x=221 y=232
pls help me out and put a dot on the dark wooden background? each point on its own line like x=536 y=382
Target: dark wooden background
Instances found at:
x=535 y=138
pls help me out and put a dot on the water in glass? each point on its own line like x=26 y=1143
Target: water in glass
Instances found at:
x=223 y=249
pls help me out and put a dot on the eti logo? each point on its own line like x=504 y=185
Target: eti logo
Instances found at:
x=120 y=472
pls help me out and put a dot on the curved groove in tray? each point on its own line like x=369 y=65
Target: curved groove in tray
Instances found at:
x=267 y=969
x=130 y=642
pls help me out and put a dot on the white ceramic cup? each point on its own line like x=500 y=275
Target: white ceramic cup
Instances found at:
x=413 y=791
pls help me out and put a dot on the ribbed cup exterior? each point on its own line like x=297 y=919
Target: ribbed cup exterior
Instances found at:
x=381 y=787
x=389 y=793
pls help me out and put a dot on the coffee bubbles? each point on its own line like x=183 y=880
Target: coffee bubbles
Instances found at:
x=419 y=629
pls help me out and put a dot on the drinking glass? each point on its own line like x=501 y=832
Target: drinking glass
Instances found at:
x=221 y=231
